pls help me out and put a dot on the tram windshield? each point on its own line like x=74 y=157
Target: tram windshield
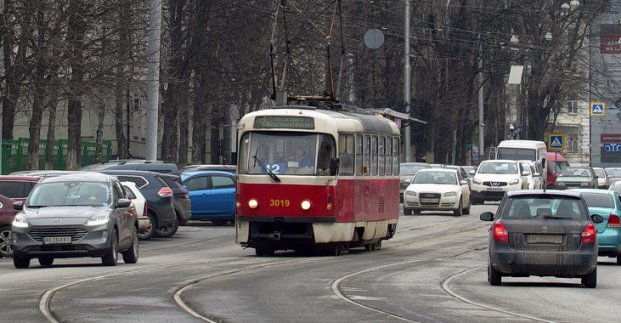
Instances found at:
x=286 y=153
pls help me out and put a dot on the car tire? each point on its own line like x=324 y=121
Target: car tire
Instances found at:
x=130 y=256
x=407 y=211
x=590 y=280
x=150 y=231
x=493 y=276
x=111 y=258
x=21 y=262
x=5 y=241
x=264 y=252
x=168 y=231
x=46 y=261
x=416 y=212
x=466 y=211
x=459 y=211
x=619 y=259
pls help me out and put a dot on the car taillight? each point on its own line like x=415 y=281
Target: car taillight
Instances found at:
x=589 y=234
x=500 y=232
x=165 y=192
x=613 y=221
x=183 y=196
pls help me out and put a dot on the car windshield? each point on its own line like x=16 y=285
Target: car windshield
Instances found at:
x=70 y=193
x=410 y=169
x=551 y=206
x=577 y=172
x=600 y=172
x=616 y=172
x=498 y=168
x=598 y=200
x=557 y=166
x=444 y=178
x=517 y=153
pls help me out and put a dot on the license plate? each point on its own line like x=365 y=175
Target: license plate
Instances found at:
x=545 y=238
x=494 y=189
x=56 y=240
x=423 y=200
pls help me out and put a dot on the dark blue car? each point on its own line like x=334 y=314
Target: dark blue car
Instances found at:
x=212 y=195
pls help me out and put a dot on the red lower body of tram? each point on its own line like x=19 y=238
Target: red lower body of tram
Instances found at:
x=336 y=216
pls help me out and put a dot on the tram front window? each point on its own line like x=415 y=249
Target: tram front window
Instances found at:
x=285 y=153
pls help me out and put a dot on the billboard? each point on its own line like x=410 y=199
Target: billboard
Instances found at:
x=609 y=35
x=610 y=145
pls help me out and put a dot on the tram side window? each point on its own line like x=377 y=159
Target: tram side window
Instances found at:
x=346 y=155
x=366 y=155
x=358 y=153
x=395 y=155
x=374 y=155
x=381 y=155
x=388 y=156
x=327 y=150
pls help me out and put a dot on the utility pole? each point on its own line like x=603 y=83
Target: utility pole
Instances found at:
x=406 y=84
x=481 y=112
x=153 y=80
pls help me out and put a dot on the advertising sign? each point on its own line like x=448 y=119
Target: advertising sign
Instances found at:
x=610 y=148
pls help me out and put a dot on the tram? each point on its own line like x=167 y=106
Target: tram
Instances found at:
x=311 y=178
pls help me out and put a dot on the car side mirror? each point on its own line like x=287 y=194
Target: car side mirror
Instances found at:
x=525 y=173
x=18 y=205
x=123 y=203
x=463 y=182
x=471 y=172
x=536 y=174
x=596 y=218
x=334 y=166
x=487 y=216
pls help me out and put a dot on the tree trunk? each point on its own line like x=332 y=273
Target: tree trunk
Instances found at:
x=122 y=79
x=34 y=128
x=101 y=115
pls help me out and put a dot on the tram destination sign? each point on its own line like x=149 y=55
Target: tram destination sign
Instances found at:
x=289 y=122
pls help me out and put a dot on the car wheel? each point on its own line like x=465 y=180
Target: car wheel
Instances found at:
x=264 y=252
x=466 y=211
x=407 y=211
x=493 y=276
x=112 y=256
x=416 y=212
x=168 y=231
x=149 y=231
x=619 y=259
x=590 y=280
x=459 y=210
x=21 y=262
x=5 y=241
x=130 y=256
x=46 y=261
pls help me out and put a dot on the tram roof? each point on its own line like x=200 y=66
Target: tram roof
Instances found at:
x=344 y=121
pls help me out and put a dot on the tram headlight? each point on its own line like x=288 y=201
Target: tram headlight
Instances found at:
x=253 y=204
x=306 y=205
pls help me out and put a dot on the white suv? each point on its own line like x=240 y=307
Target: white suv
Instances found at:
x=493 y=178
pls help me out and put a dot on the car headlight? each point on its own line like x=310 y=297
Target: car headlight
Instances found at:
x=20 y=221
x=515 y=181
x=476 y=181
x=98 y=219
x=449 y=194
x=410 y=193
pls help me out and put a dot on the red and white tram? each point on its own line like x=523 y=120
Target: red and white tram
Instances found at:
x=316 y=179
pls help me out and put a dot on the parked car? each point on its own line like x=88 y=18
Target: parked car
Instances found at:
x=407 y=172
x=140 y=204
x=602 y=177
x=75 y=216
x=494 y=178
x=534 y=180
x=556 y=162
x=576 y=177
x=543 y=233
x=135 y=164
x=159 y=196
x=437 y=190
x=224 y=168
x=614 y=174
x=213 y=195
x=607 y=204
x=181 y=198
x=17 y=187
x=7 y=213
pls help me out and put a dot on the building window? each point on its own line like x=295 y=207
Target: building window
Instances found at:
x=572 y=107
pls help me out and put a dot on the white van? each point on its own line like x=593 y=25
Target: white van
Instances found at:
x=522 y=150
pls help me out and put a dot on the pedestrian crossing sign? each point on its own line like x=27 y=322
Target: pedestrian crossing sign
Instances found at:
x=556 y=141
x=598 y=109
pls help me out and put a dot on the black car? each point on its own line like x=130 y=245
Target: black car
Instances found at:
x=181 y=198
x=159 y=196
x=135 y=164
x=543 y=233
x=75 y=216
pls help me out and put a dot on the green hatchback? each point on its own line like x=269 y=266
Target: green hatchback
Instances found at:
x=607 y=204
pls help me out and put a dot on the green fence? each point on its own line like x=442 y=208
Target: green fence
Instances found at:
x=15 y=152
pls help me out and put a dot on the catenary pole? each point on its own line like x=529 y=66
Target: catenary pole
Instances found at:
x=153 y=79
x=406 y=84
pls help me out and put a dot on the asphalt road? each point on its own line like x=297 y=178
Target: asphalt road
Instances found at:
x=432 y=271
